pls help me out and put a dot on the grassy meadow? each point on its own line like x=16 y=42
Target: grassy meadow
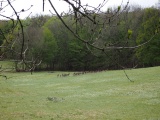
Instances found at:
x=106 y=95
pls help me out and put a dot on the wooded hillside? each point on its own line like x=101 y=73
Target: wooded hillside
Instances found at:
x=47 y=39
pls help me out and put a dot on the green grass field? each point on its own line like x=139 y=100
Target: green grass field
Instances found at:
x=106 y=95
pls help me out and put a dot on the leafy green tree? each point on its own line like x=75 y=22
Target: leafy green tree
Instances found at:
x=149 y=54
x=50 y=47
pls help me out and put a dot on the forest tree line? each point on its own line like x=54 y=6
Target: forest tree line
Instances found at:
x=47 y=39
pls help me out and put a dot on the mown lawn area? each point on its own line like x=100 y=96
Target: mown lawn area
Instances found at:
x=106 y=95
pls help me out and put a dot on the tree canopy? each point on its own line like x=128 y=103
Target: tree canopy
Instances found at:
x=83 y=38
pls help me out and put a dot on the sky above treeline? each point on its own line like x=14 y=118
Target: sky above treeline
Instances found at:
x=61 y=6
